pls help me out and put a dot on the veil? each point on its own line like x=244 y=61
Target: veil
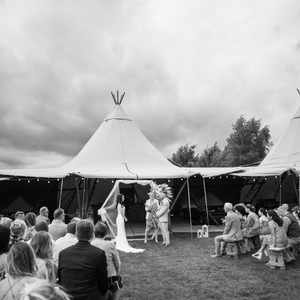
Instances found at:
x=108 y=210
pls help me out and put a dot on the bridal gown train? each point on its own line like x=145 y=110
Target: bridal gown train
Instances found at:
x=121 y=239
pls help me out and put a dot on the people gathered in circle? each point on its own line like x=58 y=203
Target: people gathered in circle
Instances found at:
x=43 y=260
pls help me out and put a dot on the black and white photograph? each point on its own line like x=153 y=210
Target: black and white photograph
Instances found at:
x=149 y=149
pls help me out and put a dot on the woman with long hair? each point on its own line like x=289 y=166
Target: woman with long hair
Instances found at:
x=41 y=244
x=30 y=220
x=4 y=241
x=121 y=239
x=277 y=238
x=21 y=268
x=17 y=232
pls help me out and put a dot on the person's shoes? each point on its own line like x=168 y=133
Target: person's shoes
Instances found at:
x=257 y=255
x=215 y=255
x=166 y=245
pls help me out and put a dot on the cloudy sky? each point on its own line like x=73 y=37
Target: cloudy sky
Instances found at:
x=189 y=69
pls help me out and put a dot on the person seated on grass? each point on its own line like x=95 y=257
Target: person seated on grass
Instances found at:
x=40 y=289
x=42 y=246
x=4 y=241
x=30 y=220
x=66 y=241
x=21 y=269
x=232 y=231
x=112 y=259
x=277 y=237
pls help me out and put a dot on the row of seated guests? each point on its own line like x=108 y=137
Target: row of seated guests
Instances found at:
x=277 y=228
x=80 y=259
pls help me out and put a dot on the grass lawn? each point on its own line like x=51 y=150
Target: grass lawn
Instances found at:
x=185 y=270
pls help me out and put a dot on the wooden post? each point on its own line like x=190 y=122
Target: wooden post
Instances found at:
x=280 y=190
x=205 y=199
x=190 y=211
x=83 y=200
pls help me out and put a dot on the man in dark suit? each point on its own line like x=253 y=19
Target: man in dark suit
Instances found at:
x=82 y=268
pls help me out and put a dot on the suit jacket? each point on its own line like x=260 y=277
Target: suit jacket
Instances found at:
x=233 y=229
x=82 y=271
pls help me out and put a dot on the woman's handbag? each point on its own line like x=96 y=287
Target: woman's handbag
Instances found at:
x=115 y=283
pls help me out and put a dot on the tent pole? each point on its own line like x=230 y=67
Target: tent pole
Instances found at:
x=205 y=198
x=190 y=211
x=78 y=198
x=83 y=200
x=280 y=190
x=299 y=189
x=60 y=193
x=178 y=194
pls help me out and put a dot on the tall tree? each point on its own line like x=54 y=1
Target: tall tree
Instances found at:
x=186 y=156
x=248 y=143
x=211 y=156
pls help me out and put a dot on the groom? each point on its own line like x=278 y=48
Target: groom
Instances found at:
x=163 y=219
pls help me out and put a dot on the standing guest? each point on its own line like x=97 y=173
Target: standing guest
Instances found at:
x=82 y=268
x=41 y=226
x=43 y=216
x=21 y=267
x=163 y=213
x=4 y=241
x=58 y=227
x=40 y=289
x=232 y=230
x=66 y=241
x=41 y=244
x=30 y=220
x=17 y=232
x=151 y=208
x=112 y=259
x=5 y=221
x=19 y=215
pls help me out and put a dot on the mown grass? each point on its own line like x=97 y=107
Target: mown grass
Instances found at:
x=185 y=270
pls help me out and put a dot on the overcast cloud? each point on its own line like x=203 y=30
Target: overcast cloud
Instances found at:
x=189 y=69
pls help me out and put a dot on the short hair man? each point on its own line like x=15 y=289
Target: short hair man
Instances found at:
x=19 y=215
x=43 y=216
x=82 y=268
x=58 y=227
x=66 y=241
x=232 y=230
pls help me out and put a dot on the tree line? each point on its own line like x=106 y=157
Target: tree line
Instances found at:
x=247 y=144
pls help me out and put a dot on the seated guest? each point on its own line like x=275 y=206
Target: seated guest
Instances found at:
x=41 y=226
x=40 y=289
x=252 y=222
x=43 y=216
x=296 y=213
x=19 y=215
x=277 y=237
x=66 y=241
x=21 y=268
x=41 y=244
x=4 y=241
x=30 y=220
x=291 y=225
x=232 y=230
x=58 y=228
x=112 y=259
x=263 y=222
x=82 y=268
x=17 y=232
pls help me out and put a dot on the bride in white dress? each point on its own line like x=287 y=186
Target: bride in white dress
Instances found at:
x=121 y=239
